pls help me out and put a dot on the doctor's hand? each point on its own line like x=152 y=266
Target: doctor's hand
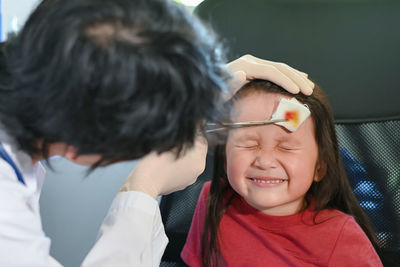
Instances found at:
x=249 y=67
x=161 y=174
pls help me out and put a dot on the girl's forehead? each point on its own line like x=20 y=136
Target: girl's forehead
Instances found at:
x=256 y=105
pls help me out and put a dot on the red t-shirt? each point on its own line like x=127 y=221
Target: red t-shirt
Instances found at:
x=249 y=237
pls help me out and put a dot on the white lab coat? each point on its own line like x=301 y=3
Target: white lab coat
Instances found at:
x=132 y=233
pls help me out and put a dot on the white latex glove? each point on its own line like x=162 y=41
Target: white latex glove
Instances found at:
x=161 y=174
x=249 y=67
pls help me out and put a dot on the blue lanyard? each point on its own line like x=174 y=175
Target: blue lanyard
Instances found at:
x=7 y=158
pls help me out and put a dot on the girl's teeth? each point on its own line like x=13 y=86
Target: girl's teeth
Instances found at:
x=267 y=181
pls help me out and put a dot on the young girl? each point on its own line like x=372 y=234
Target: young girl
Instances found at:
x=279 y=198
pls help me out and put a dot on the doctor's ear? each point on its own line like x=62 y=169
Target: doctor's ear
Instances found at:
x=320 y=171
x=71 y=153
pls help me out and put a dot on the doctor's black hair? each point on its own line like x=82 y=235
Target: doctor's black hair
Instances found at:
x=118 y=78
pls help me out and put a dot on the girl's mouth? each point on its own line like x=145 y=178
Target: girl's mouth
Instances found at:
x=267 y=182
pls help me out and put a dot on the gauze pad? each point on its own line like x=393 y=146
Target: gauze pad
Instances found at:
x=293 y=112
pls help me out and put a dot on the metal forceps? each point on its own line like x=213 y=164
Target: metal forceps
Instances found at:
x=235 y=125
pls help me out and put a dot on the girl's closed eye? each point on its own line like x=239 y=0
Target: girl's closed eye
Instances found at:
x=245 y=140
x=285 y=148
x=288 y=147
x=247 y=145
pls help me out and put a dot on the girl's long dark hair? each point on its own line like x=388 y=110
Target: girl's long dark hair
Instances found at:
x=332 y=192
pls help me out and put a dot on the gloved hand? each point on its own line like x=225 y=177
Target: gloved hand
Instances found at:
x=161 y=174
x=249 y=67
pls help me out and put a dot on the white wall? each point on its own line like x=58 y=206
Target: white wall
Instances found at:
x=73 y=206
x=18 y=8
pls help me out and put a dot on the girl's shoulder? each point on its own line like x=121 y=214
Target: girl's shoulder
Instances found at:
x=351 y=238
x=338 y=239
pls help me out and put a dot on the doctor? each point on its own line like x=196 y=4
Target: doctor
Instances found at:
x=102 y=81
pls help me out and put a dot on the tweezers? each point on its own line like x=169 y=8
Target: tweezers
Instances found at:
x=235 y=125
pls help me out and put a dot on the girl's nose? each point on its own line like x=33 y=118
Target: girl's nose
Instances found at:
x=265 y=159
